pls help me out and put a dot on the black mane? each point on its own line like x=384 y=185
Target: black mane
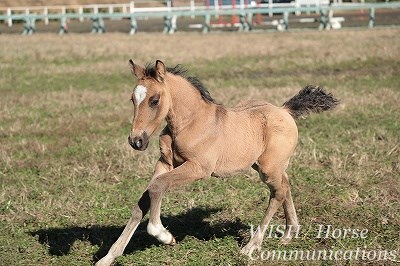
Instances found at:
x=150 y=71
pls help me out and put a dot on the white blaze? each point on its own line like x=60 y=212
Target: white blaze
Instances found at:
x=140 y=93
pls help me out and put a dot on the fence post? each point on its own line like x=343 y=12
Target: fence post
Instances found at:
x=216 y=7
x=9 y=20
x=242 y=17
x=29 y=26
x=206 y=26
x=95 y=25
x=80 y=12
x=32 y=27
x=131 y=7
x=242 y=21
x=192 y=8
x=323 y=19
x=297 y=4
x=286 y=20
x=26 y=26
x=167 y=24
x=173 y=24
x=133 y=25
x=249 y=19
x=271 y=13
x=46 y=18
x=133 y=19
x=102 y=27
x=245 y=21
x=63 y=26
x=169 y=20
x=371 y=22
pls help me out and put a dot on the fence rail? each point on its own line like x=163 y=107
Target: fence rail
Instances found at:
x=245 y=12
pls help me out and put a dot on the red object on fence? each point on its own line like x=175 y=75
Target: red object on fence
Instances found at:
x=258 y=16
x=220 y=18
x=234 y=19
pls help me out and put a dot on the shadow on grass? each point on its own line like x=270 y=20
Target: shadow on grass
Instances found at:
x=190 y=223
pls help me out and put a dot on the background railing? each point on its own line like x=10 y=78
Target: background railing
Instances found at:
x=243 y=10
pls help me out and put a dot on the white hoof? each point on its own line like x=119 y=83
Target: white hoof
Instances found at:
x=162 y=234
x=173 y=242
x=285 y=240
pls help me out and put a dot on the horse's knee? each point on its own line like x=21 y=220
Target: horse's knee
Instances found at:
x=280 y=194
x=271 y=175
x=156 y=188
x=137 y=213
x=140 y=210
x=276 y=182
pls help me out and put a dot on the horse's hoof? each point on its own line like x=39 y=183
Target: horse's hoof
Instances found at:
x=106 y=261
x=173 y=242
x=249 y=249
x=245 y=251
x=285 y=240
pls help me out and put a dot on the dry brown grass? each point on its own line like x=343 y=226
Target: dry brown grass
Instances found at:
x=335 y=46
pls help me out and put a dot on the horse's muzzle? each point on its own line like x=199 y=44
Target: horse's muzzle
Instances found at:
x=139 y=143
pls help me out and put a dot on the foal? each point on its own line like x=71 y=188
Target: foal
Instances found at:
x=203 y=138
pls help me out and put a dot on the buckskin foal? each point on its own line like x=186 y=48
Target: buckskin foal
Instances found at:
x=203 y=138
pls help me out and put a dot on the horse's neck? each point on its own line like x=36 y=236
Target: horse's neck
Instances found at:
x=187 y=105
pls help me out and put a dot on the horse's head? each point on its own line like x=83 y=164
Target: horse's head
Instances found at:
x=151 y=103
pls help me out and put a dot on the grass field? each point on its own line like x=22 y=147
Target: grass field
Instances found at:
x=68 y=176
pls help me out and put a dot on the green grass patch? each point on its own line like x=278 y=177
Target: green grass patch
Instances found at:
x=68 y=177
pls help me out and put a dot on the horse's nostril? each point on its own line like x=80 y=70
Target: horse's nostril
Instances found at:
x=138 y=143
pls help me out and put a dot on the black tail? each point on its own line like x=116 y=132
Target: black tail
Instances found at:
x=310 y=99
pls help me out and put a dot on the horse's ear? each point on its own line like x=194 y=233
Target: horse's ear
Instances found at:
x=137 y=70
x=160 y=67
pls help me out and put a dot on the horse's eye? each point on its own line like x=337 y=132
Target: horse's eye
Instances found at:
x=154 y=102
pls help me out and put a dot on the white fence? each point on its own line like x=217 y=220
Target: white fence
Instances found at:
x=131 y=8
x=97 y=13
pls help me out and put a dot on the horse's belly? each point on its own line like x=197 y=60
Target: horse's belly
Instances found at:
x=228 y=166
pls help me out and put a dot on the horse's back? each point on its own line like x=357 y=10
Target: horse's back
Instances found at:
x=273 y=114
x=271 y=123
x=250 y=104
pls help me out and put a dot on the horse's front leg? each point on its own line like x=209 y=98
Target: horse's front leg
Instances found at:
x=186 y=173
x=138 y=212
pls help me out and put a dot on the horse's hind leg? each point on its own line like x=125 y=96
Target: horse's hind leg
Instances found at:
x=292 y=225
x=271 y=167
x=278 y=192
